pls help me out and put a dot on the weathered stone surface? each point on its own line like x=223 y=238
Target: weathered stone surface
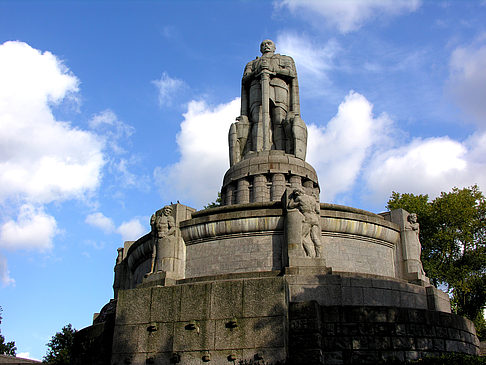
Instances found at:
x=227 y=299
x=264 y=297
x=160 y=338
x=130 y=338
x=165 y=305
x=194 y=335
x=195 y=302
x=132 y=306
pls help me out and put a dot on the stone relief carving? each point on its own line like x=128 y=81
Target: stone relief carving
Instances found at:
x=309 y=208
x=270 y=108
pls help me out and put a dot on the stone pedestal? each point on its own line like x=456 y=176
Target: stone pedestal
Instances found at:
x=264 y=176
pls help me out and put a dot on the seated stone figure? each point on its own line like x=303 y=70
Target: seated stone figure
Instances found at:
x=270 y=109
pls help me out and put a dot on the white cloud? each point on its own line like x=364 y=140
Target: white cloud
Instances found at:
x=41 y=159
x=5 y=278
x=349 y=15
x=25 y=355
x=33 y=229
x=114 y=134
x=338 y=150
x=467 y=81
x=111 y=130
x=131 y=230
x=99 y=220
x=203 y=145
x=314 y=60
x=428 y=166
x=168 y=87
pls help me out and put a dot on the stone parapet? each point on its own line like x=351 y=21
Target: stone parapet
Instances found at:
x=365 y=290
x=224 y=239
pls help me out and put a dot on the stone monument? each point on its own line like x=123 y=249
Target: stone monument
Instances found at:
x=272 y=276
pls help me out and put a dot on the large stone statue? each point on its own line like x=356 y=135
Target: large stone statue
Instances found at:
x=309 y=207
x=270 y=109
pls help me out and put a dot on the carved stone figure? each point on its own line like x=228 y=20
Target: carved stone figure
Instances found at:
x=270 y=109
x=309 y=207
x=413 y=248
x=164 y=236
x=119 y=281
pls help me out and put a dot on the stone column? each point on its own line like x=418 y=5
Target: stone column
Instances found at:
x=278 y=187
x=229 y=195
x=260 y=193
x=295 y=182
x=243 y=191
x=308 y=187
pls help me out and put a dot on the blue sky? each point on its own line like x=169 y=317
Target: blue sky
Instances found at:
x=111 y=109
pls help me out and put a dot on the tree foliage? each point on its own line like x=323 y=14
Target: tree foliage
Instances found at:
x=60 y=346
x=452 y=234
x=216 y=203
x=6 y=348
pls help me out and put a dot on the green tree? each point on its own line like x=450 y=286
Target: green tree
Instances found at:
x=60 y=346
x=6 y=348
x=216 y=203
x=452 y=234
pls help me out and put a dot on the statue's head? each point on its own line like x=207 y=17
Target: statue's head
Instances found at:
x=298 y=192
x=412 y=218
x=267 y=46
x=167 y=210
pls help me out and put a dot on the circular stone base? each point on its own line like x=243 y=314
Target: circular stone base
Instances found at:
x=264 y=176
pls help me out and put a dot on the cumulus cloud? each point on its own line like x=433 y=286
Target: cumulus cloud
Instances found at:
x=356 y=154
x=168 y=87
x=131 y=230
x=428 y=166
x=5 y=278
x=314 y=60
x=203 y=146
x=42 y=160
x=349 y=15
x=100 y=221
x=338 y=150
x=467 y=82
x=33 y=229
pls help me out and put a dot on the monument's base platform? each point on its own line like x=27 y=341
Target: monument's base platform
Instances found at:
x=277 y=317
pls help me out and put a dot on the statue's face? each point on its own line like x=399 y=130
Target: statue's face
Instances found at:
x=167 y=211
x=298 y=192
x=267 y=46
x=413 y=218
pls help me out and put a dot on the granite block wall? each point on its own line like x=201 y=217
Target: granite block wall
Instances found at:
x=335 y=335
x=197 y=322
